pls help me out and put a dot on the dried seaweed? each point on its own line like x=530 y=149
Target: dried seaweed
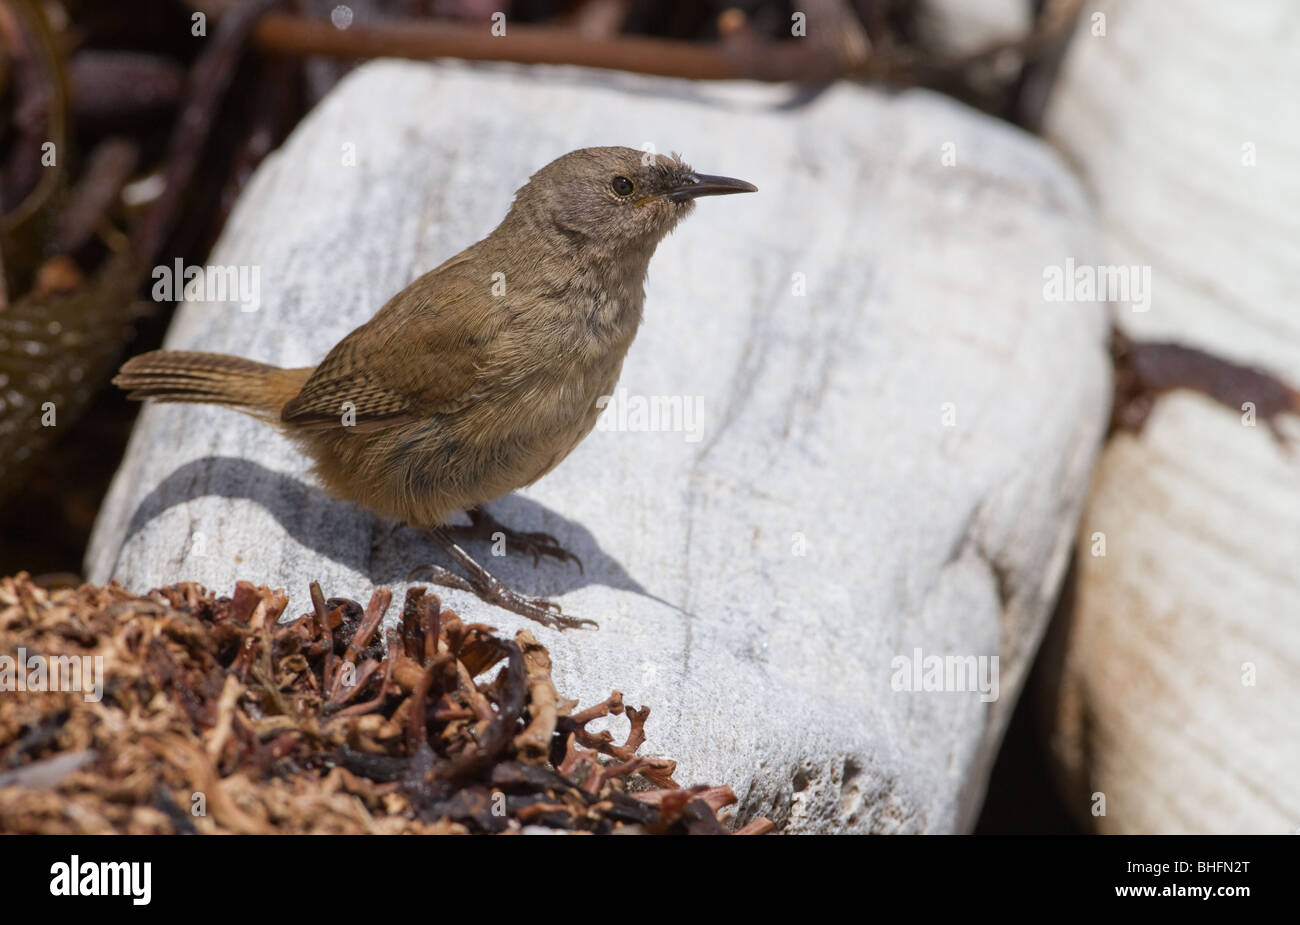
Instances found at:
x=215 y=716
x=1145 y=370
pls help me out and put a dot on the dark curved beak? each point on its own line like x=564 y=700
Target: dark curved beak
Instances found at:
x=694 y=185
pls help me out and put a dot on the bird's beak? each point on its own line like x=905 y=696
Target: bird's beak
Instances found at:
x=702 y=184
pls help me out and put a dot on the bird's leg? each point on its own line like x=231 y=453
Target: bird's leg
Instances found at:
x=483 y=526
x=490 y=589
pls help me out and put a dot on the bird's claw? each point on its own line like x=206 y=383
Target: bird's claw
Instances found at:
x=491 y=590
x=543 y=544
x=483 y=526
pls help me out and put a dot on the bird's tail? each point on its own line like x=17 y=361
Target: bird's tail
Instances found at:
x=211 y=378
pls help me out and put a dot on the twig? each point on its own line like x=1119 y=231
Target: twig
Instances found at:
x=208 y=81
x=285 y=34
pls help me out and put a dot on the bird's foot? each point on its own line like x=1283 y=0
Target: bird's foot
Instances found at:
x=488 y=588
x=483 y=526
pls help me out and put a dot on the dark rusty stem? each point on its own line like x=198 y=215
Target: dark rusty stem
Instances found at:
x=208 y=82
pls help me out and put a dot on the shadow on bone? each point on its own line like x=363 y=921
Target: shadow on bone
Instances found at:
x=382 y=550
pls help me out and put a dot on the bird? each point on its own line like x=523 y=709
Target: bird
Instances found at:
x=484 y=373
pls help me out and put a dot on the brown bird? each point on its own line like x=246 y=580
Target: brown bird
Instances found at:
x=484 y=373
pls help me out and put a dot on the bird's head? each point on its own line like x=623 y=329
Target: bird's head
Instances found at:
x=613 y=195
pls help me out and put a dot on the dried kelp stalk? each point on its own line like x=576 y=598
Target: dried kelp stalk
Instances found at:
x=197 y=713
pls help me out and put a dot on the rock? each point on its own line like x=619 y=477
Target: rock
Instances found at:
x=755 y=576
x=1178 y=670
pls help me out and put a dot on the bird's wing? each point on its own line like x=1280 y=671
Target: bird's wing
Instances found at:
x=421 y=355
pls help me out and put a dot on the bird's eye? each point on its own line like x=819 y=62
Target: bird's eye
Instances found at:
x=621 y=186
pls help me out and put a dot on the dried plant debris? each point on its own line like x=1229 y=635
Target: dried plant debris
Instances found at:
x=1145 y=370
x=182 y=712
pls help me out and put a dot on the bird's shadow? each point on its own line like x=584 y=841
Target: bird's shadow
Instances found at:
x=384 y=551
